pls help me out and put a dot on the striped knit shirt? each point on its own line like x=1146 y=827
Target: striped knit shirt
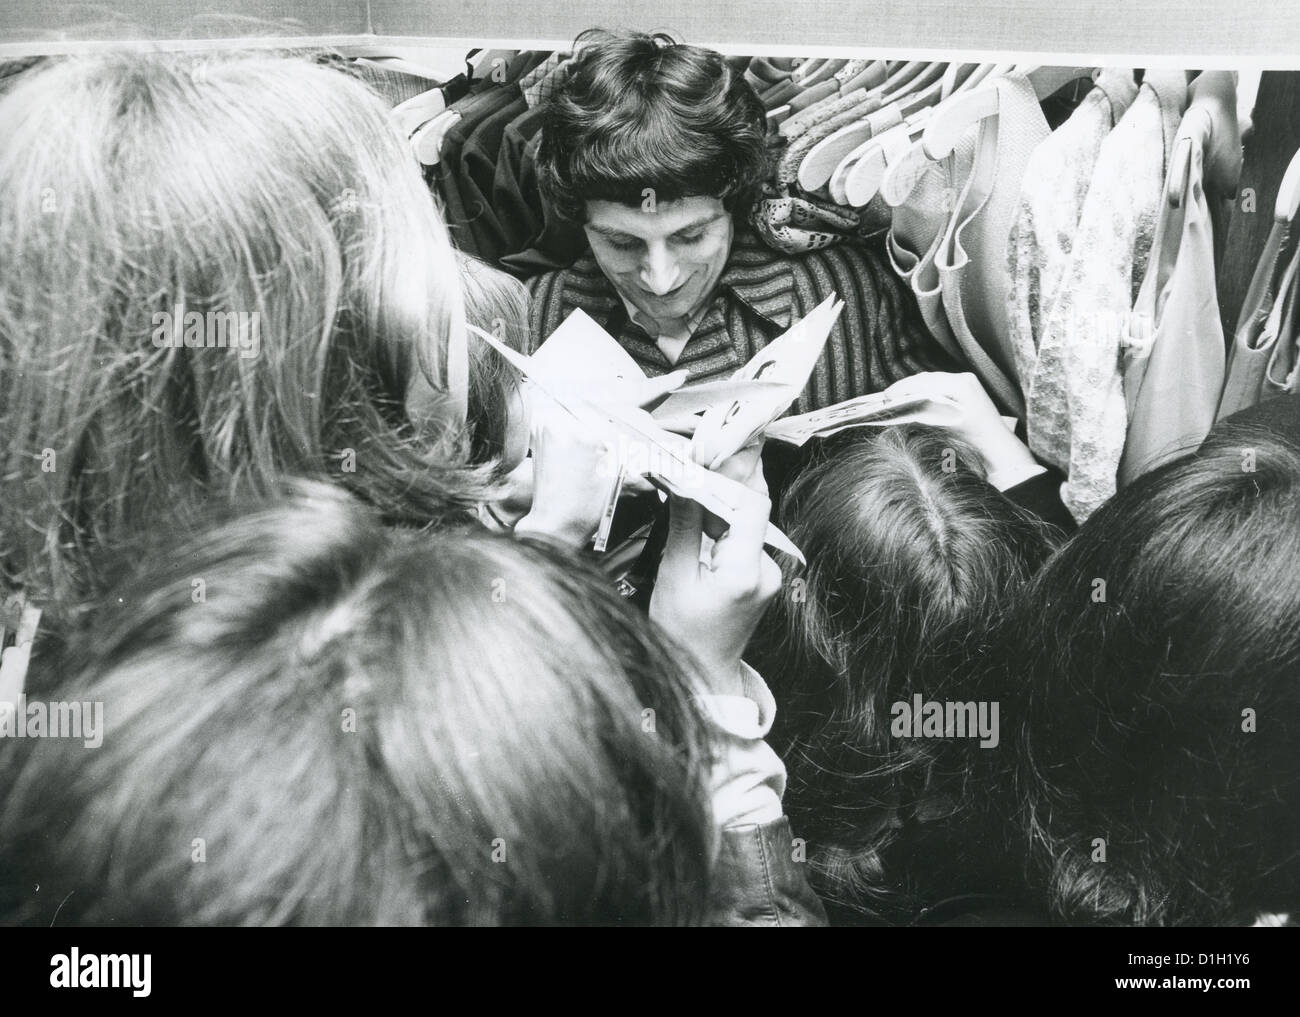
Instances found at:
x=878 y=339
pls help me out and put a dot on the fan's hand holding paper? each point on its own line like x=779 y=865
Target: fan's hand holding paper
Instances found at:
x=881 y=409
x=586 y=379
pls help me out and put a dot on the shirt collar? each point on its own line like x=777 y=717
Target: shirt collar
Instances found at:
x=635 y=315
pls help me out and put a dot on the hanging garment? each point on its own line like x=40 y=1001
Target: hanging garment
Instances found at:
x=1247 y=359
x=795 y=225
x=557 y=243
x=1174 y=360
x=823 y=148
x=813 y=94
x=870 y=131
x=462 y=215
x=477 y=170
x=514 y=205
x=804 y=112
x=779 y=94
x=916 y=231
x=1255 y=349
x=1056 y=183
x=767 y=71
x=1077 y=378
x=788 y=170
x=494 y=235
x=814 y=117
x=972 y=258
x=539 y=83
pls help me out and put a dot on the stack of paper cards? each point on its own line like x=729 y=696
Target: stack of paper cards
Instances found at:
x=583 y=371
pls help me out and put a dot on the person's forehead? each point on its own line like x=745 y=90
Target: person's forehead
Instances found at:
x=651 y=220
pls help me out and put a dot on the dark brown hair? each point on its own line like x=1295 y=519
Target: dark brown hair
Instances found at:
x=912 y=558
x=359 y=725
x=639 y=111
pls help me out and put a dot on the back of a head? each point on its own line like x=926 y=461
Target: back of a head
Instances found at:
x=911 y=556
x=311 y=719
x=638 y=111
x=1155 y=668
x=218 y=271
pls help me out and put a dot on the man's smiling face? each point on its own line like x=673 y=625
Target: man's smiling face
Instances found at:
x=667 y=261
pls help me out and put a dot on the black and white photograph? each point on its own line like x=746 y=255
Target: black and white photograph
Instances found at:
x=793 y=464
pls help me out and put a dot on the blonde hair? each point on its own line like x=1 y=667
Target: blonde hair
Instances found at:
x=141 y=184
x=497 y=303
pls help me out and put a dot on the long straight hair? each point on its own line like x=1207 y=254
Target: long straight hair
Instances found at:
x=139 y=184
x=912 y=557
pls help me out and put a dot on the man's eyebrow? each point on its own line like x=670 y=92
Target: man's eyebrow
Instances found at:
x=699 y=223
x=609 y=231
x=617 y=234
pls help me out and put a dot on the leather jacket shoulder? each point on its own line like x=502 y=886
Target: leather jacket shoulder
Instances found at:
x=760 y=879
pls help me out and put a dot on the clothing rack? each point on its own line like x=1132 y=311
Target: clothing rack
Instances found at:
x=1159 y=32
x=1157 y=37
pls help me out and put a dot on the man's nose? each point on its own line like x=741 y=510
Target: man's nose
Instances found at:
x=659 y=272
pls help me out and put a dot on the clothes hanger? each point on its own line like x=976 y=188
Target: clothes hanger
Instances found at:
x=981 y=74
x=814 y=94
x=921 y=99
x=953 y=77
x=821 y=161
x=837 y=185
x=930 y=76
x=836 y=112
x=806 y=108
x=823 y=72
x=418 y=110
x=872 y=76
x=956 y=116
x=807 y=68
x=807 y=111
x=1210 y=122
x=777 y=117
x=850 y=70
x=766 y=70
x=901 y=110
x=882 y=121
x=482 y=62
x=779 y=94
x=865 y=177
x=1288 y=192
x=901 y=175
x=427 y=141
x=899 y=78
x=825 y=157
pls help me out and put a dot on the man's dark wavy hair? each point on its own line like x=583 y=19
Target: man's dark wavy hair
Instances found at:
x=641 y=111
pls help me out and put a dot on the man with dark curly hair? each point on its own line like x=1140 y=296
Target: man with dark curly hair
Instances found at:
x=659 y=151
